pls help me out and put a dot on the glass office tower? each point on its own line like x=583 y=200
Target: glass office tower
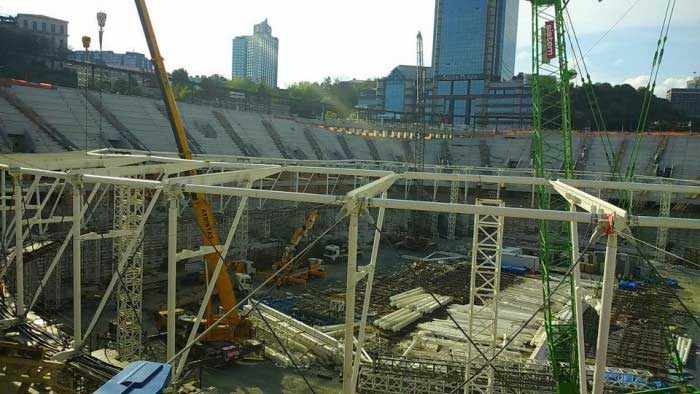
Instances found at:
x=473 y=44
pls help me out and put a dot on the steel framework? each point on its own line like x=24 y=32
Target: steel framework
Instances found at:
x=484 y=290
x=108 y=169
x=128 y=213
x=551 y=110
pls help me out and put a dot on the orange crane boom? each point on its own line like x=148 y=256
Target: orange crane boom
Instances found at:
x=233 y=328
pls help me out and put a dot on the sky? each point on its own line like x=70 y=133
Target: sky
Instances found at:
x=366 y=38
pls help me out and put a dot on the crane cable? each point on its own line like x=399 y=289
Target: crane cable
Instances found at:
x=651 y=85
x=267 y=281
x=589 y=91
x=538 y=310
x=489 y=361
x=611 y=27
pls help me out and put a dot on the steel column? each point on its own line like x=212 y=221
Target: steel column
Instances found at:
x=212 y=282
x=350 y=284
x=369 y=270
x=77 y=269
x=604 y=320
x=19 y=247
x=578 y=305
x=172 y=271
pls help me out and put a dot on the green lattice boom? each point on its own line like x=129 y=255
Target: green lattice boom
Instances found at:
x=552 y=150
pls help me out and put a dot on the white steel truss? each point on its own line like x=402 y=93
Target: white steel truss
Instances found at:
x=484 y=289
x=662 y=232
x=128 y=213
x=113 y=169
x=452 y=217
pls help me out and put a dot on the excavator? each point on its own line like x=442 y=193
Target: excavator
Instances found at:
x=293 y=273
x=234 y=328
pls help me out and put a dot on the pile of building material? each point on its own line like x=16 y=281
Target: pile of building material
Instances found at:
x=307 y=344
x=412 y=304
x=442 y=339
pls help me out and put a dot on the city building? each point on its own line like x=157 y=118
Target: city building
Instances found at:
x=255 y=57
x=400 y=90
x=53 y=29
x=129 y=60
x=687 y=101
x=506 y=105
x=473 y=45
x=371 y=95
x=694 y=83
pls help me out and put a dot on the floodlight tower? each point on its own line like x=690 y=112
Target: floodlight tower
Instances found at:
x=101 y=19
x=419 y=148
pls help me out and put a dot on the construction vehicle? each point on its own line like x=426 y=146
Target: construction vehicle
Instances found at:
x=232 y=328
x=294 y=273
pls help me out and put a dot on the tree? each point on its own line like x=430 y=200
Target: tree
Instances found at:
x=181 y=77
x=120 y=86
x=305 y=99
x=243 y=85
x=213 y=88
x=620 y=106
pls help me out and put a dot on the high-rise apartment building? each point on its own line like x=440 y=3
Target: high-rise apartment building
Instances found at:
x=473 y=44
x=255 y=57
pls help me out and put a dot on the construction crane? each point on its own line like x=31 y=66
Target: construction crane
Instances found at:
x=291 y=274
x=551 y=110
x=419 y=147
x=233 y=327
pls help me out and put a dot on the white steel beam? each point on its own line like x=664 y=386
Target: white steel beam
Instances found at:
x=375 y=187
x=265 y=194
x=217 y=178
x=144 y=169
x=588 y=202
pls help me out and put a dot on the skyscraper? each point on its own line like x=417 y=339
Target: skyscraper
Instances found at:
x=255 y=57
x=473 y=44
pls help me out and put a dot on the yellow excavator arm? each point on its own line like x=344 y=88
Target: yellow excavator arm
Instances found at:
x=233 y=328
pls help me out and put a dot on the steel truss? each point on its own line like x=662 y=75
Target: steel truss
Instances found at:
x=128 y=213
x=484 y=290
x=105 y=169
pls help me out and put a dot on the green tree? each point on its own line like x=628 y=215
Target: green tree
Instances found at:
x=181 y=77
x=120 y=86
x=305 y=99
x=621 y=106
x=213 y=88
x=243 y=85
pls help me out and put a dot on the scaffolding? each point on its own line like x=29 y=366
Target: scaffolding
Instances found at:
x=484 y=289
x=128 y=213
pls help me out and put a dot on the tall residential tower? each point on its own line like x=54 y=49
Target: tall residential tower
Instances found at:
x=473 y=44
x=255 y=57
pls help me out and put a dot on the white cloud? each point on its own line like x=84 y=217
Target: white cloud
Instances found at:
x=638 y=81
x=662 y=85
